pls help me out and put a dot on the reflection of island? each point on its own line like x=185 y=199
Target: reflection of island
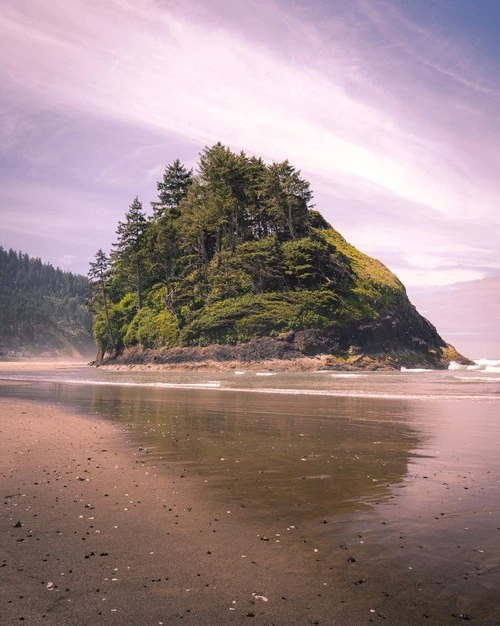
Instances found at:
x=284 y=463
x=306 y=457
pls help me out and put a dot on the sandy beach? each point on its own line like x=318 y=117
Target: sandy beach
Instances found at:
x=93 y=533
x=142 y=522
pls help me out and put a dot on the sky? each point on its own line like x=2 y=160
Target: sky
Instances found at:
x=390 y=108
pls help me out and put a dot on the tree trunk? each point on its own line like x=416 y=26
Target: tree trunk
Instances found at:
x=139 y=286
x=290 y=223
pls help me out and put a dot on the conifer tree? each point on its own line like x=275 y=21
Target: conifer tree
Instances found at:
x=99 y=274
x=172 y=190
x=129 y=251
x=288 y=199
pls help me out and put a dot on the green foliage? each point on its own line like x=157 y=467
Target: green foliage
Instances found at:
x=41 y=308
x=239 y=319
x=288 y=198
x=161 y=248
x=226 y=279
x=120 y=315
x=156 y=297
x=172 y=190
x=317 y=221
x=310 y=262
x=253 y=266
x=101 y=334
x=150 y=330
x=261 y=261
x=167 y=332
x=130 y=250
x=123 y=312
x=368 y=269
x=375 y=288
x=99 y=275
x=152 y=326
x=234 y=252
x=141 y=329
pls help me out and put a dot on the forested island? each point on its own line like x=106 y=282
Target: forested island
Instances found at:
x=43 y=310
x=235 y=264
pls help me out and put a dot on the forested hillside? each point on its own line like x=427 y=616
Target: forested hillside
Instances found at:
x=42 y=309
x=236 y=252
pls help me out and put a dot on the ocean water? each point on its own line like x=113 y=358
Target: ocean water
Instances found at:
x=403 y=466
x=480 y=381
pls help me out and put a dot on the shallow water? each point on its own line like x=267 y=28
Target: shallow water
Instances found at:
x=405 y=464
x=483 y=383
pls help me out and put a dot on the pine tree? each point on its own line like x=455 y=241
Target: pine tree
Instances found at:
x=172 y=190
x=129 y=250
x=288 y=200
x=99 y=274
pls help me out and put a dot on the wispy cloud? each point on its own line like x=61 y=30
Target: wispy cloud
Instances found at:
x=351 y=97
x=451 y=59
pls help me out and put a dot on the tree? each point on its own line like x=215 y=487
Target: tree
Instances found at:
x=198 y=225
x=255 y=186
x=42 y=308
x=238 y=228
x=162 y=247
x=99 y=274
x=172 y=190
x=288 y=198
x=163 y=236
x=223 y=176
x=129 y=250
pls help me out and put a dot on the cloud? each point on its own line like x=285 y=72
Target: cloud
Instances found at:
x=360 y=109
x=451 y=59
x=428 y=278
x=53 y=213
x=67 y=260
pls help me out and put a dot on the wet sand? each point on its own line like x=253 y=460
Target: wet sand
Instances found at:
x=96 y=529
x=91 y=533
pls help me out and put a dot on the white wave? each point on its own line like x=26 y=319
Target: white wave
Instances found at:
x=207 y=385
x=114 y=383
x=415 y=369
x=238 y=373
x=481 y=365
x=457 y=366
x=264 y=373
x=339 y=393
x=482 y=379
x=487 y=362
x=219 y=386
x=348 y=375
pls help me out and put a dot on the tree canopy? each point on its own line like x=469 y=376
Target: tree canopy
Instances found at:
x=232 y=251
x=41 y=308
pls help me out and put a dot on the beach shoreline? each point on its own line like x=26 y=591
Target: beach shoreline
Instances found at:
x=304 y=364
x=130 y=519
x=272 y=365
x=94 y=533
x=38 y=364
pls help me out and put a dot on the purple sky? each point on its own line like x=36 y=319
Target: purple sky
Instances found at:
x=391 y=108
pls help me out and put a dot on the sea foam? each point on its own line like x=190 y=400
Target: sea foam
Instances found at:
x=481 y=365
